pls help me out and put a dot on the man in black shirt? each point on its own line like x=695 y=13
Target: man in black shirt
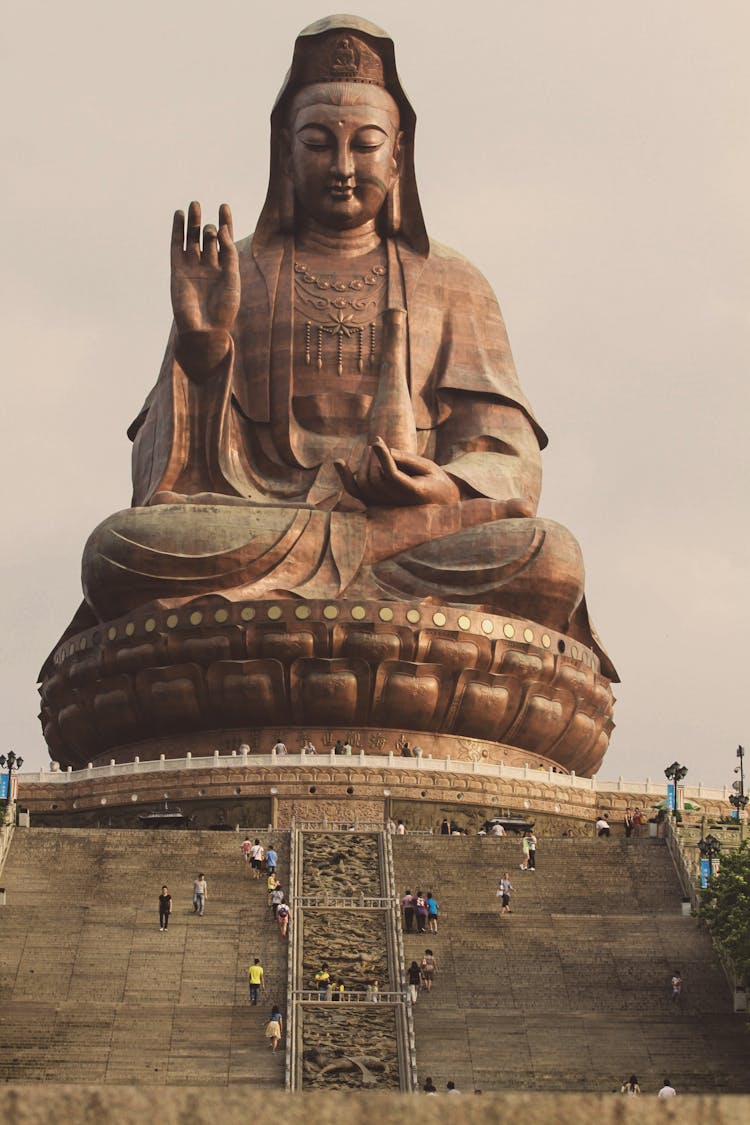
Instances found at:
x=165 y=908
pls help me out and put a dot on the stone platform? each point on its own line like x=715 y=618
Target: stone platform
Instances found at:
x=260 y=789
x=460 y=681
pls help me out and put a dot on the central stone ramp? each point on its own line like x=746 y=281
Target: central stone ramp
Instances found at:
x=93 y=992
x=572 y=990
x=349 y=1019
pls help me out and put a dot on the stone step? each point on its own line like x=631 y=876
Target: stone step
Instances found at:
x=571 y=991
x=93 y=992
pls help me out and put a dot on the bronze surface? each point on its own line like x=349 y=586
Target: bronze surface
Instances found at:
x=337 y=426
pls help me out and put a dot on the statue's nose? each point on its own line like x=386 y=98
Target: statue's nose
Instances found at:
x=343 y=164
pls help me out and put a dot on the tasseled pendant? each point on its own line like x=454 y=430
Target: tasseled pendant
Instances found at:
x=372 y=343
x=308 y=335
x=360 y=361
x=340 y=354
x=320 y=349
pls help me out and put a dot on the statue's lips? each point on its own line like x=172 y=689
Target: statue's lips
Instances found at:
x=341 y=192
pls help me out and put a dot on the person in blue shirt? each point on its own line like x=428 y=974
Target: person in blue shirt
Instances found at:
x=432 y=913
x=271 y=859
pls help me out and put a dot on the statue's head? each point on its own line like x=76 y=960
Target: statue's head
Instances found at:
x=341 y=152
x=342 y=137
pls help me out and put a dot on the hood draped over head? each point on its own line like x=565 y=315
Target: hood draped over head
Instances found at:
x=334 y=50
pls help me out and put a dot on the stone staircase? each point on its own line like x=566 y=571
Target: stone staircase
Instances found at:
x=93 y=992
x=570 y=991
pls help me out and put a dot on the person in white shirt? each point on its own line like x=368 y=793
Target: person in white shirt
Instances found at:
x=504 y=888
x=257 y=856
x=676 y=986
x=529 y=852
x=497 y=830
x=279 y=748
x=451 y=1088
x=667 y=1090
x=200 y=894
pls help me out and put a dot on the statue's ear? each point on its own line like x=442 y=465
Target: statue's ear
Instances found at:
x=393 y=199
x=398 y=153
x=393 y=208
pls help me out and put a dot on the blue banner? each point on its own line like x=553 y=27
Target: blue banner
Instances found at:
x=4 y=787
x=671 y=786
x=705 y=872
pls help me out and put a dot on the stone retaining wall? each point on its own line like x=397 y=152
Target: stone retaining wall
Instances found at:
x=340 y=789
x=127 y=1105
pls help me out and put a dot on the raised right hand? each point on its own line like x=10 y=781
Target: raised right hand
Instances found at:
x=205 y=283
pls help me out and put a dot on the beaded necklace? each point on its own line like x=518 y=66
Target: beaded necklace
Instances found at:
x=341 y=308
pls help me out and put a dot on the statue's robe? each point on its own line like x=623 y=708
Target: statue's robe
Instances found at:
x=459 y=363
x=235 y=491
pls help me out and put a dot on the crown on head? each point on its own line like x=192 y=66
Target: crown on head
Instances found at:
x=340 y=58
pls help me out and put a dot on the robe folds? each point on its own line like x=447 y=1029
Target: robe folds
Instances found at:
x=469 y=410
x=234 y=495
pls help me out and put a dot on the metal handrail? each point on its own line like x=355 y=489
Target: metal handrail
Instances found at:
x=405 y=1038
x=294 y=966
x=358 y=996
x=361 y=902
x=359 y=826
x=6 y=836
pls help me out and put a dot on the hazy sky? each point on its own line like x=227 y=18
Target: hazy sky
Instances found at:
x=590 y=157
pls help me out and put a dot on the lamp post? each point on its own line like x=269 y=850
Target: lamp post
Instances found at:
x=738 y=799
x=674 y=774
x=11 y=763
x=709 y=847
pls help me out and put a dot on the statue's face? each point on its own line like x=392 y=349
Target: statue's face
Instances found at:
x=343 y=160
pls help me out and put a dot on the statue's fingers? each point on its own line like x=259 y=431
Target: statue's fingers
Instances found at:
x=385 y=484
x=410 y=463
x=225 y=219
x=178 y=236
x=227 y=250
x=210 y=246
x=388 y=466
x=347 y=479
x=194 y=229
